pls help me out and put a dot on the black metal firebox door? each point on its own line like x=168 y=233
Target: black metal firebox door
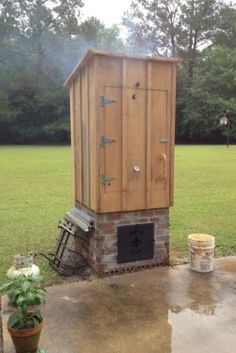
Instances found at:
x=135 y=242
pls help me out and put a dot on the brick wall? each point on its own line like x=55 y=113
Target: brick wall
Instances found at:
x=99 y=247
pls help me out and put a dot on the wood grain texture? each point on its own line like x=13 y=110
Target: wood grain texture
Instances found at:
x=77 y=140
x=124 y=133
x=161 y=76
x=159 y=186
x=92 y=135
x=85 y=136
x=172 y=132
x=97 y=93
x=110 y=55
x=112 y=151
x=109 y=75
x=141 y=122
x=149 y=131
x=136 y=74
x=136 y=142
x=73 y=132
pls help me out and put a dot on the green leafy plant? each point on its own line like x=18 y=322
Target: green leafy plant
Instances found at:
x=26 y=295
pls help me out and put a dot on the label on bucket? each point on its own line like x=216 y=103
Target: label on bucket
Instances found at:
x=206 y=266
x=201 y=265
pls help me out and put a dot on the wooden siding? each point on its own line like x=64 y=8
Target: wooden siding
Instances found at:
x=136 y=142
x=99 y=53
x=141 y=124
x=77 y=139
x=92 y=135
x=85 y=136
x=172 y=132
x=72 y=129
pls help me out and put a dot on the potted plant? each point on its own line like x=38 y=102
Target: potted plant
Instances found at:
x=25 y=320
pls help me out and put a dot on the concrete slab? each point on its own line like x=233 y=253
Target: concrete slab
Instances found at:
x=164 y=310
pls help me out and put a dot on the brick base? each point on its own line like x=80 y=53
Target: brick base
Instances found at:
x=99 y=247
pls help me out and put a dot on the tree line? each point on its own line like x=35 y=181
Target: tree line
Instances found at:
x=203 y=34
x=42 y=40
x=40 y=43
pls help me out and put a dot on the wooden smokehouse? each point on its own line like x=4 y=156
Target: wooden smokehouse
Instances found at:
x=122 y=111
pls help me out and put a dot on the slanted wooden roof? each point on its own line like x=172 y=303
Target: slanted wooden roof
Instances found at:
x=92 y=52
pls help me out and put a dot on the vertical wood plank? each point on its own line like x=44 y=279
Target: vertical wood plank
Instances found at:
x=161 y=76
x=101 y=131
x=72 y=134
x=124 y=134
x=136 y=74
x=108 y=77
x=160 y=135
x=80 y=152
x=172 y=131
x=109 y=71
x=148 y=140
x=159 y=195
x=85 y=136
x=136 y=143
x=77 y=138
x=88 y=136
x=97 y=132
x=112 y=130
x=92 y=136
x=112 y=160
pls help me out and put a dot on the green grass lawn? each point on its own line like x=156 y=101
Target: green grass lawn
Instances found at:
x=35 y=191
x=205 y=196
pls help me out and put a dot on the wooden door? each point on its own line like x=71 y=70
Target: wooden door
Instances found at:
x=134 y=154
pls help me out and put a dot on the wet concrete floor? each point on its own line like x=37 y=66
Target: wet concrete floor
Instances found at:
x=163 y=310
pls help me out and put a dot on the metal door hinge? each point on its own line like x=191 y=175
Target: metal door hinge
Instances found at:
x=106 y=141
x=105 y=100
x=106 y=178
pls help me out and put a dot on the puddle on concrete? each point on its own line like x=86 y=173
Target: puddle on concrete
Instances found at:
x=226 y=264
x=209 y=329
x=157 y=311
x=174 y=312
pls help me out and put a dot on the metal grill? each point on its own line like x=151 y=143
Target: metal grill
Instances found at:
x=64 y=258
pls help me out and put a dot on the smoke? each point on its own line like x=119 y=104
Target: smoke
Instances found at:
x=35 y=60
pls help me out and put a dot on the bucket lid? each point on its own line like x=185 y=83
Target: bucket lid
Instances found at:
x=201 y=237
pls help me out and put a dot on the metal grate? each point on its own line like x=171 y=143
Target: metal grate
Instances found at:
x=65 y=259
x=135 y=242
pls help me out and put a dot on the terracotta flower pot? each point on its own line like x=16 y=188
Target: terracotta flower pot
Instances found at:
x=26 y=340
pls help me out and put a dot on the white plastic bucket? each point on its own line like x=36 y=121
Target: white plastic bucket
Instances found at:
x=201 y=252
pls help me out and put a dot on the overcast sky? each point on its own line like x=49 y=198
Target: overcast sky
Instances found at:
x=108 y=11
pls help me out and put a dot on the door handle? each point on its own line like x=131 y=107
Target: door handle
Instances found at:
x=136 y=169
x=164 y=159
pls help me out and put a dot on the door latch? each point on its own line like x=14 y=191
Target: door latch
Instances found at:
x=106 y=178
x=105 y=101
x=163 y=140
x=106 y=141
